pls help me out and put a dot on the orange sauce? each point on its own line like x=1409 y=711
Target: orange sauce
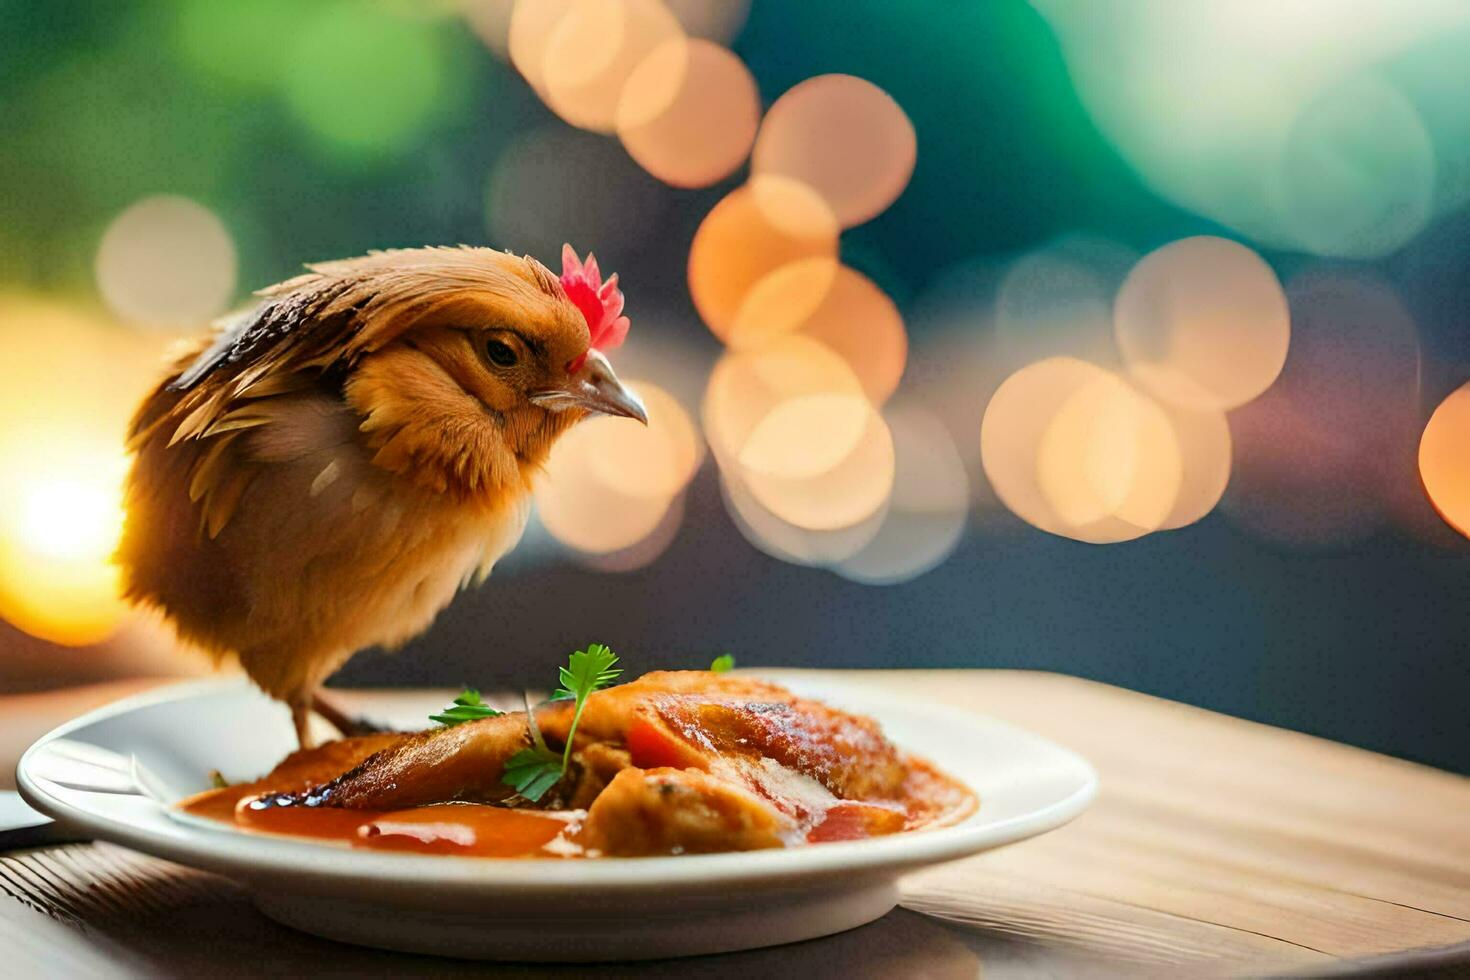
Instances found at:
x=467 y=829
x=929 y=798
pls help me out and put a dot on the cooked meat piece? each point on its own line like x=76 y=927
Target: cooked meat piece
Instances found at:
x=788 y=749
x=609 y=713
x=305 y=768
x=846 y=753
x=644 y=812
x=595 y=766
x=463 y=763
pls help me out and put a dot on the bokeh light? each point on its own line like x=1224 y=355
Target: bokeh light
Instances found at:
x=166 y=261
x=656 y=460
x=1301 y=129
x=1357 y=172
x=1203 y=323
x=610 y=484
x=581 y=511
x=758 y=228
x=833 y=304
x=841 y=495
x=58 y=529
x=928 y=508
x=1108 y=462
x=363 y=81
x=591 y=52
x=844 y=137
x=1011 y=431
x=785 y=541
x=746 y=386
x=829 y=428
x=1073 y=449
x=645 y=552
x=68 y=383
x=1444 y=459
x=1203 y=438
x=528 y=35
x=688 y=113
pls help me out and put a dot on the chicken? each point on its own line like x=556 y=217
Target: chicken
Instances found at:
x=735 y=726
x=327 y=472
x=644 y=812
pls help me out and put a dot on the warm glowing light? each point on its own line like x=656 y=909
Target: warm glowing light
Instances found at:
x=1203 y=323
x=68 y=518
x=611 y=485
x=654 y=461
x=844 y=137
x=68 y=383
x=755 y=230
x=59 y=523
x=688 y=113
x=806 y=436
x=745 y=387
x=581 y=511
x=1205 y=451
x=844 y=495
x=1011 y=432
x=833 y=304
x=645 y=552
x=592 y=51
x=1108 y=462
x=1073 y=449
x=166 y=261
x=1444 y=462
x=531 y=28
x=786 y=541
x=926 y=513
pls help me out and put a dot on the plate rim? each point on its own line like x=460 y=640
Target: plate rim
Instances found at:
x=274 y=858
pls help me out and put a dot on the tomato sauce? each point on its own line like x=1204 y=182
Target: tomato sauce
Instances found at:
x=467 y=829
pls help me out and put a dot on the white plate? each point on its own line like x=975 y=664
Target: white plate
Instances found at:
x=110 y=773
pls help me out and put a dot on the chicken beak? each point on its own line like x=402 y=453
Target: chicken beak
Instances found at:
x=596 y=388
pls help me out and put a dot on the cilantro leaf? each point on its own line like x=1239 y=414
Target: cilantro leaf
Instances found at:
x=533 y=771
x=466 y=707
x=724 y=662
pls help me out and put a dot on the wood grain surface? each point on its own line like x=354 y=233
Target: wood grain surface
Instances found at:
x=1216 y=847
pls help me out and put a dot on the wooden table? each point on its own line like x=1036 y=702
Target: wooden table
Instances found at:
x=1216 y=847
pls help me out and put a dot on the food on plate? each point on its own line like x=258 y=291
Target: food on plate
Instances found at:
x=675 y=762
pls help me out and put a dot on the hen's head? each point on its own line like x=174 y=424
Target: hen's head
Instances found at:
x=501 y=357
x=464 y=363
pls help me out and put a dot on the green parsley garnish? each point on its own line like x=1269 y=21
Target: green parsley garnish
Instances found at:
x=533 y=771
x=466 y=707
x=722 y=663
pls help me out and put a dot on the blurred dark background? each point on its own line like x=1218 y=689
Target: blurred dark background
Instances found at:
x=323 y=130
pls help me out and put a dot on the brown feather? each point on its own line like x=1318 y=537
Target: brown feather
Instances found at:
x=328 y=470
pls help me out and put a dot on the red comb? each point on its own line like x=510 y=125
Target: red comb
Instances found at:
x=601 y=302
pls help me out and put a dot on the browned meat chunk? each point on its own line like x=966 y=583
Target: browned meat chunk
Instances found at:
x=645 y=812
x=463 y=763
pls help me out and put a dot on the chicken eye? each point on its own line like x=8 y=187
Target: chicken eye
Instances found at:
x=500 y=354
